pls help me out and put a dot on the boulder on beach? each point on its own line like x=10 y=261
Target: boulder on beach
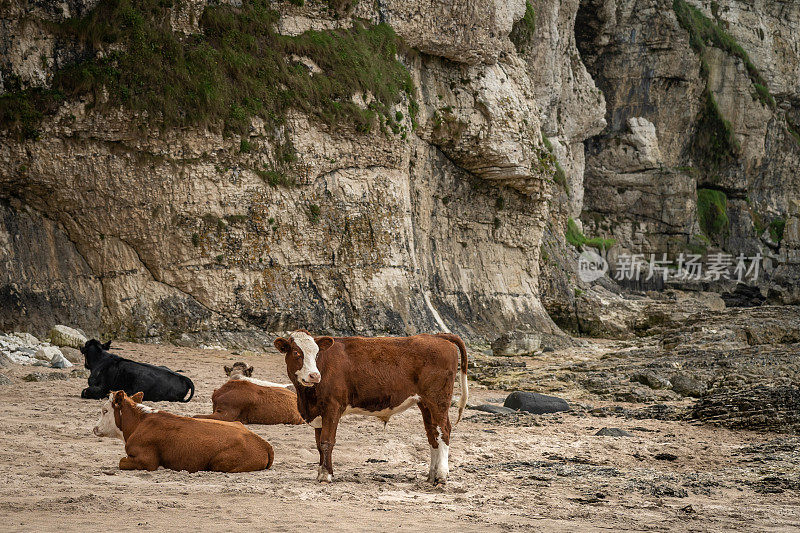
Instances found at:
x=26 y=339
x=66 y=336
x=73 y=355
x=686 y=385
x=517 y=343
x=494 y=409
x=47 y=353
x=535 y=403
x=59 y=361
x=37 y=377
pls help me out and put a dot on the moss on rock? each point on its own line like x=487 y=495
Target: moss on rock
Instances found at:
x=577 y=239
x=712 y=213
x=523 y=29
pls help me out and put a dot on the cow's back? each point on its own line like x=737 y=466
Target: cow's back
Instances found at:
x=200 y=444
x=256 y=404
x=405 y=354
x=157 y=383
x=275 y=405
x=381 y=371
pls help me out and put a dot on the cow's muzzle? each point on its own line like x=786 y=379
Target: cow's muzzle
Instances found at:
x=313 y=379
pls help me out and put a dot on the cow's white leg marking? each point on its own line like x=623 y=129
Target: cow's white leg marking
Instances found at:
x=323 y=475
x=439 y=457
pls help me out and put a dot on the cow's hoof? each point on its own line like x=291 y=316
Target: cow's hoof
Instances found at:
x=323 y=476
x=437 y=480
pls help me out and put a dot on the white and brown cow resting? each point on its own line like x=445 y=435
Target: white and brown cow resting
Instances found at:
x=253 y=401
x=383 y=376
x=155 y=438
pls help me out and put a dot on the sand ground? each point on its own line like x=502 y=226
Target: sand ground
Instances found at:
x=547 y=473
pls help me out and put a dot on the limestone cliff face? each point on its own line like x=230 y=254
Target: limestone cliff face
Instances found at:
x=526 y=114
x=174 y=233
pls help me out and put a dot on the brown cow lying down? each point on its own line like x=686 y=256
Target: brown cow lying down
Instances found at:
x=383 y=376
x=154 y=438
x=252 y=401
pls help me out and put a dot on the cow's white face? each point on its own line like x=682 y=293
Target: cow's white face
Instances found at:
x=309 y=374
x=106 y=425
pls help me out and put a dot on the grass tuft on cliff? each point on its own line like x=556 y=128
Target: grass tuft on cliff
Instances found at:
x=559 y=176
x=523 y=29
x=714 y=139
x=712 y=213
x=776 y=229
x=237 y=68
x=577 y=239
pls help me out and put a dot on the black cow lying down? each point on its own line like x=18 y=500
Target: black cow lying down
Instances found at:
x=112 y=372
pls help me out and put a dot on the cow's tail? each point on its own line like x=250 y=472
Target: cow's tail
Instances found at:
x=462 y=375
x=191 y=388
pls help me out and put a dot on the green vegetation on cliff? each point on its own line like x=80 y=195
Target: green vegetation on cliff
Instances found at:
x=237 y=68
x=776 y=229
x=715 y=142
x=714 y=139
x=577 y=239
x=523 y=29
x=704 y=31
x=712 y=213
x=550 y=160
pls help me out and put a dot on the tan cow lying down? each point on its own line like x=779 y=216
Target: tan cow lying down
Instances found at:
x=252 y=401
x=154 y=438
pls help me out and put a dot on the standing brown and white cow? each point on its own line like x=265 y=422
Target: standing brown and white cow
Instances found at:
x=383 y=376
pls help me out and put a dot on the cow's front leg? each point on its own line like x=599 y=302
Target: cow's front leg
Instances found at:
x=146 y=462
x=437 y=428
x=327 y=439
x=93 y=393
x=318 y=437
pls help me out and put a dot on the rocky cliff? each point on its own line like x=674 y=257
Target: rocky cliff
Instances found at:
x=189 y=170
x=701 y=96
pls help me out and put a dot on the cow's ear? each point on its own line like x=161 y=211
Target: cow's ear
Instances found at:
x=137 y=398
x=283 y=345
x=248 y=372
x=118 y=397
x=324 y=343
x=228 y=370
x=106 y=346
